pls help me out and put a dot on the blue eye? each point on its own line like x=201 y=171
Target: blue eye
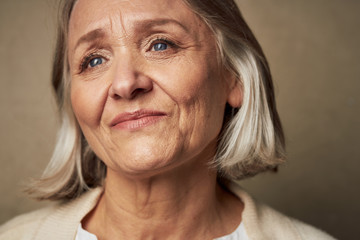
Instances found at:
x=96 y=61
x=160 y=47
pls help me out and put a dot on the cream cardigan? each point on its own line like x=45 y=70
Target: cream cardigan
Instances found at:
x=60 y=222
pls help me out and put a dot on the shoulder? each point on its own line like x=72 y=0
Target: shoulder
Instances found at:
x=24 y=226
x=263 y=222
x=60 y=220
x=309 y=232
x=277 y=224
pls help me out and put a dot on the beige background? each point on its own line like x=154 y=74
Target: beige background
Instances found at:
x=312 y=47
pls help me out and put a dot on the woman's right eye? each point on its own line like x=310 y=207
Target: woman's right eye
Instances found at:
x=160 y=47
x=95 y=61
x=91 y=62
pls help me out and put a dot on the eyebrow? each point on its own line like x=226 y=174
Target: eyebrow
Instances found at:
x=151 y=23
x=140 y=26
x=91 y=36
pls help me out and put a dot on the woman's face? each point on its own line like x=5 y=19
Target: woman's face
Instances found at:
x=146 y=87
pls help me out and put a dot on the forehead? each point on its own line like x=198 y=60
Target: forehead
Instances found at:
x=121 y=15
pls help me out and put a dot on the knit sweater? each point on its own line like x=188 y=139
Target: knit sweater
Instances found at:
x=60 y=222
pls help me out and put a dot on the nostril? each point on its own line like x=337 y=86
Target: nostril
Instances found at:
x=139 y=91
x=130 y=91
x=112 y=93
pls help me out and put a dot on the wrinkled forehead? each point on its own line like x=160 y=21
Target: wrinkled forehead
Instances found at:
x=123 y=15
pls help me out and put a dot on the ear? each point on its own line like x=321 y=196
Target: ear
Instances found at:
x=235 y=95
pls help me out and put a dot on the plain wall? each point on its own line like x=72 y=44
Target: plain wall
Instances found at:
x=312 y=47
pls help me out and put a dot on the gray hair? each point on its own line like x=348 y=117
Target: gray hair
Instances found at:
x=251 y=140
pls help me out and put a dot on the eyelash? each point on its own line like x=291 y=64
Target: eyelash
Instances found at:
x=162 y=40
x=88 y=58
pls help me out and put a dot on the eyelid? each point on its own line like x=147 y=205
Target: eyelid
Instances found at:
x=86 y=60
x=160 y=39
x=84 y=63
x=173 y=47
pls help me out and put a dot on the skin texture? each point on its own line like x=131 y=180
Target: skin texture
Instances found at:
x=156 y=57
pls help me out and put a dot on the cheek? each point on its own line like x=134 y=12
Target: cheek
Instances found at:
x=197 y=88
x=184 y=82
x=87 y=101
x=199 y=84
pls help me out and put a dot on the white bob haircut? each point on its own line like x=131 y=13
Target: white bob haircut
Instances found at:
x=251 y=140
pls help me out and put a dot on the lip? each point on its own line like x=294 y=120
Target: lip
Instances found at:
x=137 y=119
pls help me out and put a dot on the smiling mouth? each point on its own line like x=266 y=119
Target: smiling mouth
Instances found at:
x=136 y=120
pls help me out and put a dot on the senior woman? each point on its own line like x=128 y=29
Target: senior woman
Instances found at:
x=163 y=103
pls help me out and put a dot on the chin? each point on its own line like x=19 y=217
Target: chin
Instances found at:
x=143 y=165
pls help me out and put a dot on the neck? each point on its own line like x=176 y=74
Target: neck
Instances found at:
x=180 y=204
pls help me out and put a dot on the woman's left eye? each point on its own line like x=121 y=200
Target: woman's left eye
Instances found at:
x=160 y=47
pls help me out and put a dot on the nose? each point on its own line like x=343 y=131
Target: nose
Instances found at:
x=129 y=80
